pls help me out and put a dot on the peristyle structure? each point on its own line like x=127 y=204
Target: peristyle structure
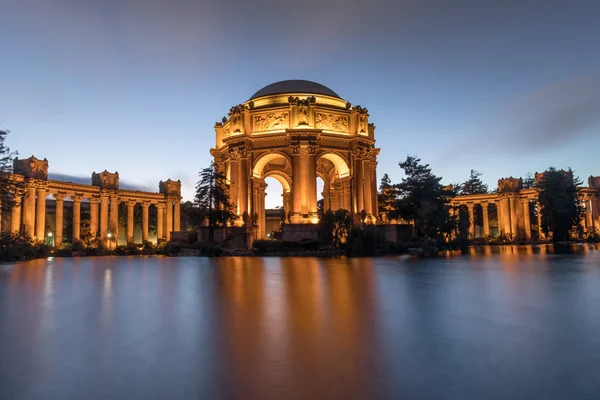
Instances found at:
x=101 y=199
x=296 y=131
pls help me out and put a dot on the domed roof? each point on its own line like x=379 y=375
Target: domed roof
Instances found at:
x=295 y=86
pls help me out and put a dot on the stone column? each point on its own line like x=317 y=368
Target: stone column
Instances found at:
x=368 y=199
x=169 y=219
x=358 y=182
x=40 y=220
x=243 y=184
x=145 y=208
x=588 y=214
x=375 y=200
x=177 y=215
x=526 y=219
x=114 y=217
x=296 y=184
x=58 y=219
x=514 y=222
x=29 y=210
x=347 y=199
x=505 y=207
x=233 y=180
x=76 y=217
x=471 y=208
x=103 y=216
x=498 y=215
x=94 y=216
x=326 y=199
x=287 y=205
x=130 y=221
x=311 y=179
x=486 y=219
x=262 y=218
x=15 y=219
x=160 y=225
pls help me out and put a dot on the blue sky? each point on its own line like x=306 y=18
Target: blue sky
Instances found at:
x=504 y=87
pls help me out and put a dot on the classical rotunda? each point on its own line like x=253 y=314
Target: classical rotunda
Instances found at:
x=295 y=131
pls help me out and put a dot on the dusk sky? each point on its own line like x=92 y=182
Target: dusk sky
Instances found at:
x=504 y=87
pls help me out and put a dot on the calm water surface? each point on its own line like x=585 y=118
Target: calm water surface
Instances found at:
x=515 y=325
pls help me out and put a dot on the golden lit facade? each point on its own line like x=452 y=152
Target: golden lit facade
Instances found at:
x=101 y=199
x=296 y=131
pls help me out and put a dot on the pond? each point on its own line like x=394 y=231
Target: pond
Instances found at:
x=519 y=323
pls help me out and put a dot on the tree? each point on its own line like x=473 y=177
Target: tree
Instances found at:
x=10 y=189
x=387 y=196
x=423 y=201
x=529 y=181
x=473 y=185
x=212 y=198
x=559 y=201
x=334 y=226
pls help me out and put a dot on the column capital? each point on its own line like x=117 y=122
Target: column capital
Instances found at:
x=131 y=203
x=161 y=205
x=295 y=147
x=60 y=196
x=93 y=199
x=312 y=147
x=77 y=197
x=146 y=204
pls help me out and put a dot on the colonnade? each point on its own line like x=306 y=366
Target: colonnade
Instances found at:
x=516 y=207
x=101 y=199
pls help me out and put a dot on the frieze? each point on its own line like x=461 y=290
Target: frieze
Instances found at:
x=332 y=122
x=270 y=122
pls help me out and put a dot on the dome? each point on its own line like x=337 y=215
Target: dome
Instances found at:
x=295 y=86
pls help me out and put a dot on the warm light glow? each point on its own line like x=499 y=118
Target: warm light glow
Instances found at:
x=341 y=167
x=49 y=234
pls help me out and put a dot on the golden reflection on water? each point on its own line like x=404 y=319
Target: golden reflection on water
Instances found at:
x=296 y=314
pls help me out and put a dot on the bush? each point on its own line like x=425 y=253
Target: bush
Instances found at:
x=66 y=251
x=367 y=241
x=78 y=245
x=171 y=249
x=16 y=246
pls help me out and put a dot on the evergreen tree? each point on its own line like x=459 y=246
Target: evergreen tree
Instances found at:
x=9 y=188
x=424 y=201
x=559 y=201
x=388 y=196
x=473 y=185
x=529 y=181
x=212 y=198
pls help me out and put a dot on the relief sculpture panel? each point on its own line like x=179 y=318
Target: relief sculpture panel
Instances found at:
x=332 y=122
x=270 y=122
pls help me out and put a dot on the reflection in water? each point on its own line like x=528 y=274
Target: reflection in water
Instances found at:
x=500 y=323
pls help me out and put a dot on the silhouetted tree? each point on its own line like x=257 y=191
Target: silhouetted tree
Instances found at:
x=9 y=188
x=387 y=196
x=334 y=227
x=320 y=206
x=559 y=203
x=212 y=198
x=473 y=185
x=529 y=181
x=424 y=201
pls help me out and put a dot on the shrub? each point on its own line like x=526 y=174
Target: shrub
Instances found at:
x=78 y=245
x=171 y=249
x=367 y=241
x=66 y=251
x=209 y=249
x=16 y=246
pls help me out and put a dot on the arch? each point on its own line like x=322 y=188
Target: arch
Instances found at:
x=264 y=159
x=340 y=163
x=282 y=178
